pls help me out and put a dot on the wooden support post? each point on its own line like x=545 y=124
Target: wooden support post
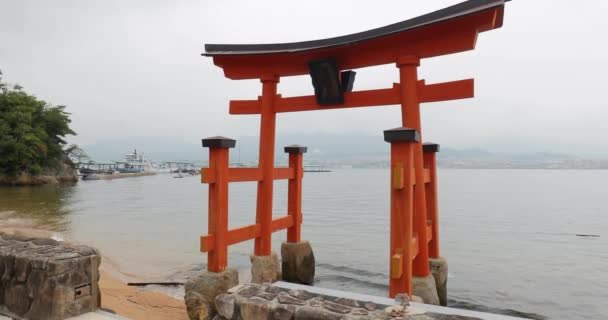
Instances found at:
x=402 y=142
x=430 y=162
x=410 y=113
x=266 y=165
x=294 y=191
x=217 y=258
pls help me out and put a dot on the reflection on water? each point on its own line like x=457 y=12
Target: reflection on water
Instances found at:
x=509 y=235
x=38 y=206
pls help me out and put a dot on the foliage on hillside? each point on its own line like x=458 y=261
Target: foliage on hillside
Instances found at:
x=32 y=133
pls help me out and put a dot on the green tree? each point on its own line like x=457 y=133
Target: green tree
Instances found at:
x=32 y=132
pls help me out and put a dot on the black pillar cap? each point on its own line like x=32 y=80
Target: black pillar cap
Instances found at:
x=297 y=149
x=429 y=147
x=401 y=134
x=218 y=142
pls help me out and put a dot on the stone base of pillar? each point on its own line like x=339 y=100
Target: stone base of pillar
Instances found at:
x=202 y=289
x=424 y=287
x=298 y=262
x=265 y=269
x=439 y=269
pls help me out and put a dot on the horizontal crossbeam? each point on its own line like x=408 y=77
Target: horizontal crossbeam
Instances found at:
x=454 y=90
x=246 y=174
x=245 y=233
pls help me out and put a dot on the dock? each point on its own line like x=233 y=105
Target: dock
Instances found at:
x=315 y=168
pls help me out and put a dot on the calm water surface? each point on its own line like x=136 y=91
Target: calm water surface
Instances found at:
x=509 y=235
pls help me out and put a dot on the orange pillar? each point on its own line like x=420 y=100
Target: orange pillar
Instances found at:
x=294 y=191
x=410 y=113
x=430 y=162
x=402 y=142
x=217 y=258
x=266 y=165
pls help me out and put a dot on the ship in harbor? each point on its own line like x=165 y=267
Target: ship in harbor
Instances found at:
x=134 y=163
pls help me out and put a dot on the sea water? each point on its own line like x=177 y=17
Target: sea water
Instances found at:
x=510 y=236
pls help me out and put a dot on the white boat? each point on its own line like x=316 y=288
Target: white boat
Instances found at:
x=134 y=163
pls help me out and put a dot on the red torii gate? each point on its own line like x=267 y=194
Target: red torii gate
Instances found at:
x=414 y=223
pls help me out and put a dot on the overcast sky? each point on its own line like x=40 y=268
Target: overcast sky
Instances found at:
x=133 y=69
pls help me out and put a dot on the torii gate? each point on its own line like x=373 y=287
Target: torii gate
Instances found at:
x=414 y=220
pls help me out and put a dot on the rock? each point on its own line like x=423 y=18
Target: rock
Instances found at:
x=316 y=302
x=395 y=311
x=285 y=298
x=439 y=270
x=267 y=295
x=309 y=313
x=16 y=299
x=255 y=309
x=301 y=294
x=370 y=306
x=265 y=268
x=347 y=302
x=202 y=289
x=337 y=308
x=282 y=312
x=249 y=291
x=424 y=287
x=416 y=299
x=272 y=289
x=298 y=262
x=225 y=305
x=22 y=267
x=359 y=312
x=45 y=242
x=196 y=306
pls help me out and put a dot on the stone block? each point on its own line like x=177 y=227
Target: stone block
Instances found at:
x=265 y=269
x=282 y=312
x=225 y=305
x=202 y=290
x=255 y=309
x=310 y=313
x=266 y=302
x=298 y=262
x=439 y=270
x=424 y=287
x=47 y=279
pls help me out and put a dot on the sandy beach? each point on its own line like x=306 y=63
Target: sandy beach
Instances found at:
x=116 y=297
x=135 y=303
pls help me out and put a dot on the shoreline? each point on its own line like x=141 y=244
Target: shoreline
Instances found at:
x=135 y=303
x=116 y=296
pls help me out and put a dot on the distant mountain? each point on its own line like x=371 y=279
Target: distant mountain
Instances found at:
x=332 y=150
x=153 y=148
